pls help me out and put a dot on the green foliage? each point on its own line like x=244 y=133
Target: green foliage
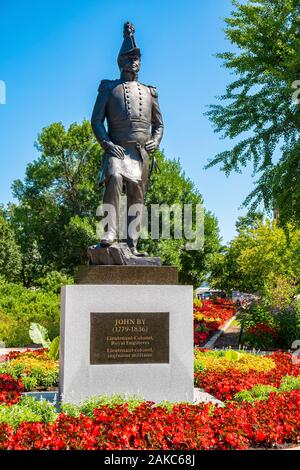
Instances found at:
x=232 y=355
x=288 y=326
x=259 y=392
x=279 y=291
x=169 y=185
x=257 y=256
x=55 y=218
x=264 y=258
x=198 y=358
x=257 y=109
x=53 y=281
x=255 y=314
x=167 y=405
x=88 y=406
x=57 y=200
x=10 y=255
x=250 y=220
x=259 y=327
x=262 y=392
x=34 y=372
x=198 y=366
x=289 y=383
x=265 y=329
x=197 y=302
x=20 y=306
x=54 y=349
x=225 y=360
x=28 y=410
x=39 y=335
x=30 y=383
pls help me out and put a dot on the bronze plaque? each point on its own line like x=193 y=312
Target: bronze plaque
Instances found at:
x=129 y=338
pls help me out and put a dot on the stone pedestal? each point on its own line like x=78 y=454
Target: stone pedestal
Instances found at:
x=126 y=275
x=127 y=339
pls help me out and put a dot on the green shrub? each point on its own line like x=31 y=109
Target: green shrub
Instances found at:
x=255 y=314
x=259 y=327
x=232 y=355
x=19 y=307
x=70 y=409
x=53 y=281
x=28 y=409
x=288 y=326
x=30 y=383
x=267 y=329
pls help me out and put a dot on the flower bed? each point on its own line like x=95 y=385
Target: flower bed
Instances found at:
x=225 y=360
x=34 y=368
x=261 y=410
x=224 y=384
x=210 y=316
x=268 y=328
x=236 y=426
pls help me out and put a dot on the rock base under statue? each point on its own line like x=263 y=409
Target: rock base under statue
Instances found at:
x=118 y=254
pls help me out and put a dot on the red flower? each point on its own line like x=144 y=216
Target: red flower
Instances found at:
x=203 y=426
x=216 y=313
x=10 y=389
x=225 y=384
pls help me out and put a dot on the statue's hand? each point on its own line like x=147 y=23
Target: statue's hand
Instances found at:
x=116 y=150
x=151 y=145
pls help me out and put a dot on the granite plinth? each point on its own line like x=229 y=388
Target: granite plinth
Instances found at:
x=127 y=275
x=130 y=363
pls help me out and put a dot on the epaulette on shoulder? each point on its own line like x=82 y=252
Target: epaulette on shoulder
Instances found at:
x=153 y=91
x=106 y=85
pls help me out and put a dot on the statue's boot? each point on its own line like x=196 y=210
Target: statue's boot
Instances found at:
x=135 y=252
x=108 y=239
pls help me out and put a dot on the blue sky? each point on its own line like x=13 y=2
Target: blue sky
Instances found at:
x=54 y=54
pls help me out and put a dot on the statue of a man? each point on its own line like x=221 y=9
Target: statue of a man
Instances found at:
x=134 y=129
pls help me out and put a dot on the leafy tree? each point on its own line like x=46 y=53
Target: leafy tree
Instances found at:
x=250 y=220
x=259 y=258
x=280 y=291
x=57 y=200
x=169 y=185
x=55 y=219
x=10 y=255
x=258 y=110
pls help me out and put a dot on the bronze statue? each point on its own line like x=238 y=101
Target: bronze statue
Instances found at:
x=134 y=130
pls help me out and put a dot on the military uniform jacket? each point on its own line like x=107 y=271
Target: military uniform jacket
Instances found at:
x=133 y=117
